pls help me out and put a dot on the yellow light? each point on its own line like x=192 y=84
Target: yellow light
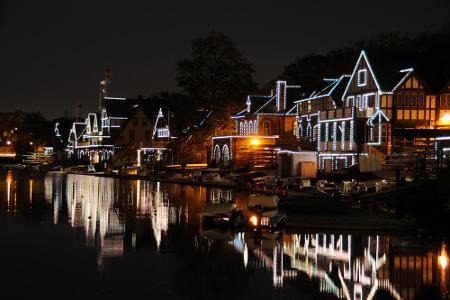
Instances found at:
x=443 y=257
x=443 y=261
x=254 y=142
x=445 y=119
x=254 y=220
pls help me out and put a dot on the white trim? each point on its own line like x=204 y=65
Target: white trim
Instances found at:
x=247 y=137
x=361 y=55
x=114 y=98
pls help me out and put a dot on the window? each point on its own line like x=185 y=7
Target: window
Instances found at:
x=163 y=132
x=406 y=114
x=144 y=122
x=266 y=128
x=135 y=121
x=421 y=115
x=131 y=135
x=362 y=77
x=399 y=114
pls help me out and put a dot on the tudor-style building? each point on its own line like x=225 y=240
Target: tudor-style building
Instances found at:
x=136 y=124
x=382 y=108
x=265 y=124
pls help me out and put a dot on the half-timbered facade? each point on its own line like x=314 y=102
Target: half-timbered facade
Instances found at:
x=121 y=123
x=266 y=123
x=378 y=110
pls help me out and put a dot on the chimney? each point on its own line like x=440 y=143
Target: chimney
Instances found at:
x=249 y=103
x=281 y=95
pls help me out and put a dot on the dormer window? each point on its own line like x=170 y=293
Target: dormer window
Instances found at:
x=163 y=132
x=362 y=77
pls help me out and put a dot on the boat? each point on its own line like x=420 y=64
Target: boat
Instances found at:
x=223 y=214
x=262 y=213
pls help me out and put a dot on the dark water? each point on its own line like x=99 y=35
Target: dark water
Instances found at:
x=85 y=237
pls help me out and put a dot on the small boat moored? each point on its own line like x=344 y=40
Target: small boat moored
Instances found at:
x=262 y=213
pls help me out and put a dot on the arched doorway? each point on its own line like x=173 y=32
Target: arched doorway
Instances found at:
x=217 y=154
x=226 y=156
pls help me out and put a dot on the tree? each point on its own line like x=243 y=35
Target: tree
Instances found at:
x=427 y=52
x=33 y=129
x=216 y=73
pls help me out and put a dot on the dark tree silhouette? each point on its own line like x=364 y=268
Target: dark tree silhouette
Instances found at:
x=215 y=72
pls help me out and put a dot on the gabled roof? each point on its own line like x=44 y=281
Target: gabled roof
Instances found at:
x=334 y=88
x=268 y=104
x=256 y=103
x=79 y=129
x=390 y=68
x=119 y=107
x=161 y=120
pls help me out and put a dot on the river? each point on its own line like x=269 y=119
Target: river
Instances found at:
x=76 y=236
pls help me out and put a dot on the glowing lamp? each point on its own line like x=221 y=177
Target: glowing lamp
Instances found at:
x=445 y=119
x=8 y=143
x=254 y=220
x=254 y=142
x=31 y=143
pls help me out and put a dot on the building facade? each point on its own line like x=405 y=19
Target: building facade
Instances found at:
x=267 y=123
x=134 y=124
x=379 y=110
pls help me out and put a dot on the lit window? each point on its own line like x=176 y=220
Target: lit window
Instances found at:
x=163 y=132
x=421 y=115
x=406 y=114
x=362 y=77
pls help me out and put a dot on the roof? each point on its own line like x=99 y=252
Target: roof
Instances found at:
x=389 y=70
x=268 y=104
x=80 y=128
x=256 y=103
x=333 y=88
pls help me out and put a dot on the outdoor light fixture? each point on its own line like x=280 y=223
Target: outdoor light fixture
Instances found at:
x=8 y=143
x=445 y=120
x=254 y=142
x=254 y=220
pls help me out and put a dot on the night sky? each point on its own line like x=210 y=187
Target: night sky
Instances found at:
x=52 y=52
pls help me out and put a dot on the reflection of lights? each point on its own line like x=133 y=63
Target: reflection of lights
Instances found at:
x=443 y=261
x=31 y=190
x=254 y=142
x=8 y=187
x=443 y=257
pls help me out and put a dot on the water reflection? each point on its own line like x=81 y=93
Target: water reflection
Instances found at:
x=121 y=216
